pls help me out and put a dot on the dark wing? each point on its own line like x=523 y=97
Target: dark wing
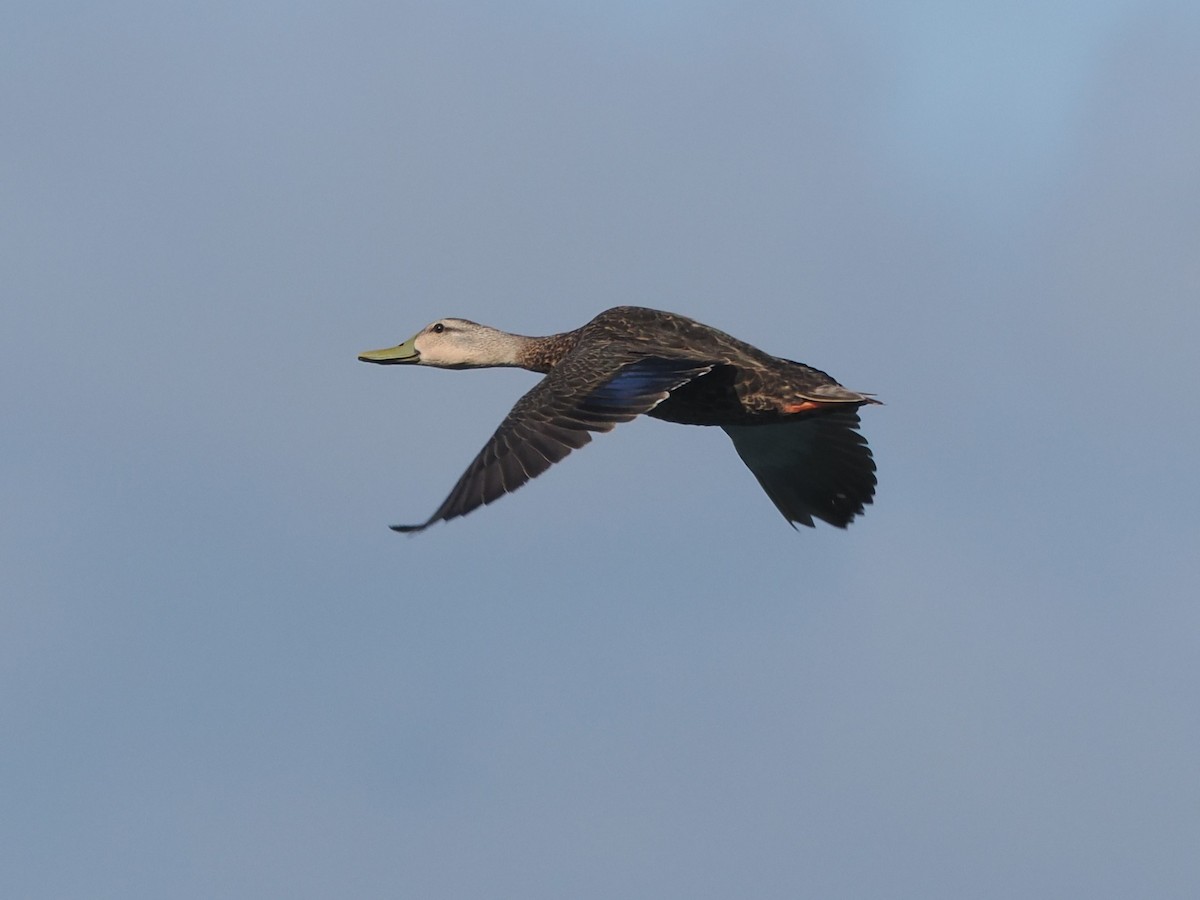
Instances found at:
x=556 y=417
x=814 y=466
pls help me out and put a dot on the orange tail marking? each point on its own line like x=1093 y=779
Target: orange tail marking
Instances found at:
x=806 y=406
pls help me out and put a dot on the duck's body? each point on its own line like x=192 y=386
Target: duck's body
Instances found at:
x=793 y=425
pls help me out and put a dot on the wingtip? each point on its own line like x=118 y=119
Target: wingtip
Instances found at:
x=408 y=529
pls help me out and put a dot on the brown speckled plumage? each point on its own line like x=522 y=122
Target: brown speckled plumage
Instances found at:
x=793 y=425
x=543 y=354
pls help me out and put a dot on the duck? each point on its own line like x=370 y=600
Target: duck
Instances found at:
x=794 y=426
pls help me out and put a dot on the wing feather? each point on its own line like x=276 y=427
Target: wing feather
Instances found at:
x=816 y=466
x=578 y=398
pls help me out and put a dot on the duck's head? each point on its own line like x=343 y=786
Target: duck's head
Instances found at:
x=452 y=344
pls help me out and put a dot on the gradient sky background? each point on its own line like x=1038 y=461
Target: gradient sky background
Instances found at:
x=222 y=676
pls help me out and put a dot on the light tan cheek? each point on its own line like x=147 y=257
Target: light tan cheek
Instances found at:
x=431 y=350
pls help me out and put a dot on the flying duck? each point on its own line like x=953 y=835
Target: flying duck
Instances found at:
x=792 y=425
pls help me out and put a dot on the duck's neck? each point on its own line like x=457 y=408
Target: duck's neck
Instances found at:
x=541 y=354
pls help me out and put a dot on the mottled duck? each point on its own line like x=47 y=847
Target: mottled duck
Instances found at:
x=792 y=425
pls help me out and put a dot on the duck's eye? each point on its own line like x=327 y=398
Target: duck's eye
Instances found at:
x=439 y=328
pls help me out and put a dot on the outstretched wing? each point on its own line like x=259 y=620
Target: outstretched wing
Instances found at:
x=818 y=465
x=556 y=417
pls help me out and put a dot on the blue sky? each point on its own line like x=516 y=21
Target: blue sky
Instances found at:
x=221 y=675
